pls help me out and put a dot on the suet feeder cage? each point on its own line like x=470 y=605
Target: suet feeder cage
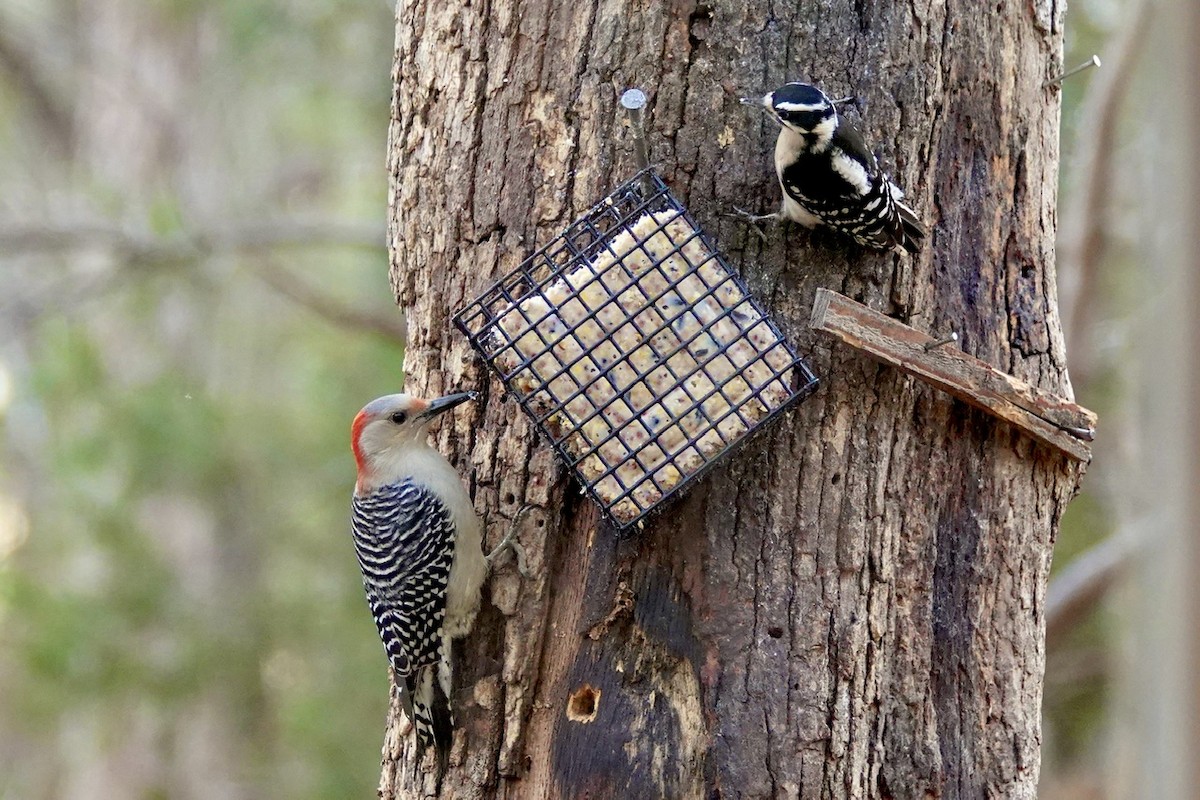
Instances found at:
x=638 y=353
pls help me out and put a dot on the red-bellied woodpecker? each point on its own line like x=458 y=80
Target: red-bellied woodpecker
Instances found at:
x=419 y=545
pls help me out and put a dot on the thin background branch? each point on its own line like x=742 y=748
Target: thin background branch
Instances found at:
x=53 y=115
x=138 y=249
x=290 y=286
x=57 y=237
x=1076 y=591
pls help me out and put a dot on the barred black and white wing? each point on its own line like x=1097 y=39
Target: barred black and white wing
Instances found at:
x=404 y=537
x=844 y=188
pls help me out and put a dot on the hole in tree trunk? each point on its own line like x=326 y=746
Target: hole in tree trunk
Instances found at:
x=583 y=703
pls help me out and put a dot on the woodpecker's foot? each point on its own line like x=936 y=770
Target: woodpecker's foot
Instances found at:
x=753 y=220
x=509 y=542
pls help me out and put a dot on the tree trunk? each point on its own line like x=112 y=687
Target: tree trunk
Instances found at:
x=851 y=606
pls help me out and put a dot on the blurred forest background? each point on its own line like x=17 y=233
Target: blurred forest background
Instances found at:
x=194 y=304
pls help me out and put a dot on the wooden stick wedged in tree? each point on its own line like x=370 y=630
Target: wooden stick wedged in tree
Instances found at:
x=1051 y=419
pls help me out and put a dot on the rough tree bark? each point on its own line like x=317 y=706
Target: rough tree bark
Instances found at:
x=852 y=606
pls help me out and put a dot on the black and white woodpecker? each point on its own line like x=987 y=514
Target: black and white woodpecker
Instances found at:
x=830 y=177
x=419 y=545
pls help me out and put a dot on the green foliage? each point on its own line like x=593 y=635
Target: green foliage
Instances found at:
x=99 y=612
x=182 y=445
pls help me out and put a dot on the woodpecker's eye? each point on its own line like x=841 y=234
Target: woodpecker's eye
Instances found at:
x=399 y=418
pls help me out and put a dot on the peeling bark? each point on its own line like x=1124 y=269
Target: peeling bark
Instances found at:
x=852 y=606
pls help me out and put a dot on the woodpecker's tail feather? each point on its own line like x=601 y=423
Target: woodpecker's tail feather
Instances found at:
x=426 y=701
x=914 y=231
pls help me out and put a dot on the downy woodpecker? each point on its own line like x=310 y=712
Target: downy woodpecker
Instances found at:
x=419 y=545
x=830 y=177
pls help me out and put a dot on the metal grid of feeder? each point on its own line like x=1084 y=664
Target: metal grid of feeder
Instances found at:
x=637 y=351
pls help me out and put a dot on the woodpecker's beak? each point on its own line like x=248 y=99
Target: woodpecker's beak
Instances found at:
x=443 y=404
x=764 y=104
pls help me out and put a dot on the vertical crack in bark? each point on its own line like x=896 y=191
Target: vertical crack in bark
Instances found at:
x=767 y=762
x=477 y=144
x=573 y=121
